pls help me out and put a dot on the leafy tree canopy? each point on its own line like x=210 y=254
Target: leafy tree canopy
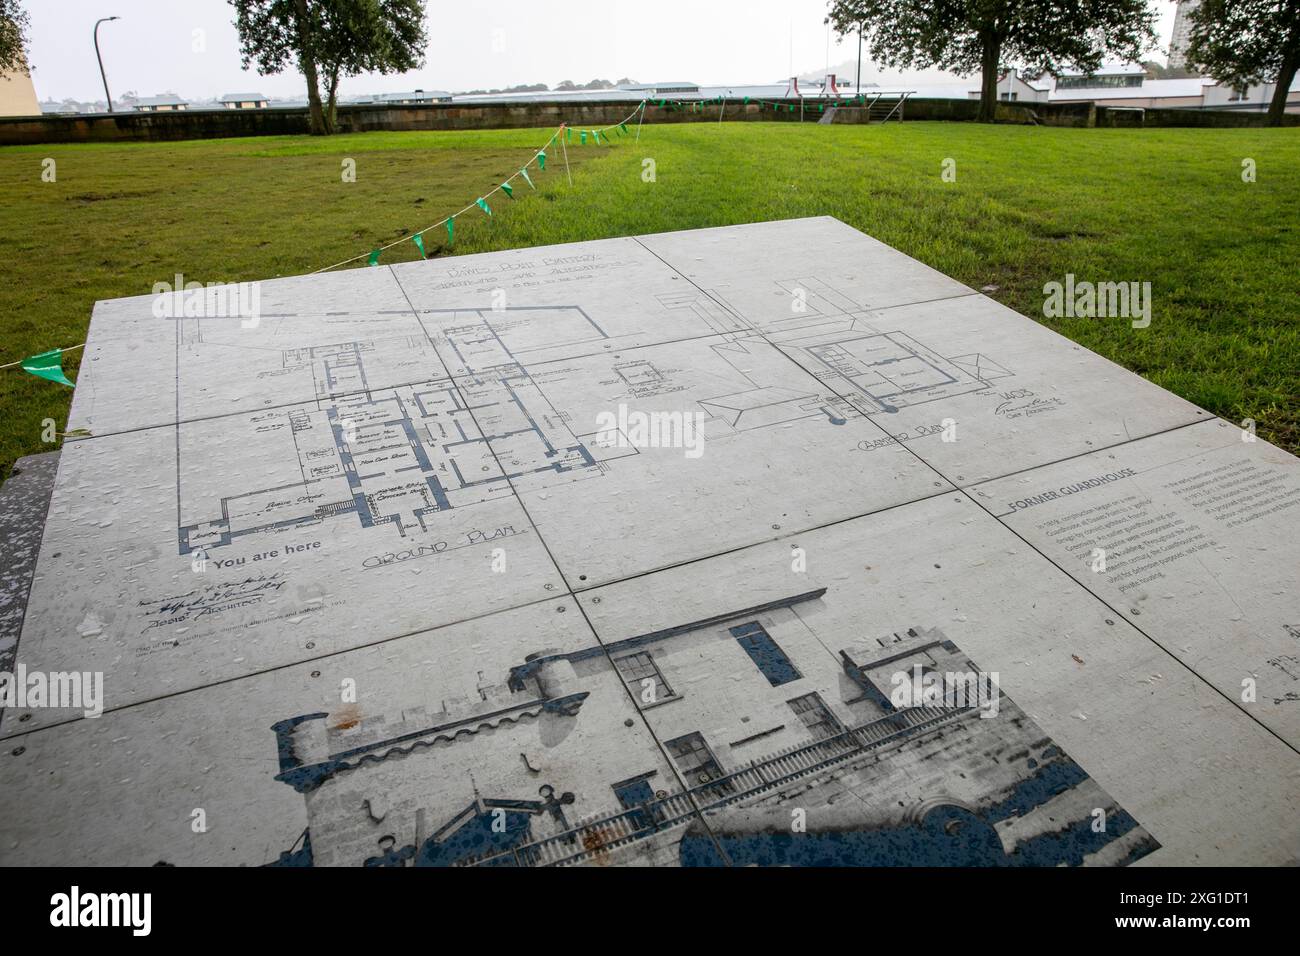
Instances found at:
x=984 y=36
x=1247 y=42
x=13 y=37
x=331 y=39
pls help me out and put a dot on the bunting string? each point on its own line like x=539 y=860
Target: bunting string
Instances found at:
x=49 y=365
x=563 y=133
x=805 y=104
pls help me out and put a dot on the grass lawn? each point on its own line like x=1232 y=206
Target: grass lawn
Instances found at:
x=1029 y=205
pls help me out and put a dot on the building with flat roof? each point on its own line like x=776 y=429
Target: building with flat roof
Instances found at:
x=166 y=103
x=412 y=98
x=243 y=101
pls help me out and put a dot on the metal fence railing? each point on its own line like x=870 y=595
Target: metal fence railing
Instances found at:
x=602 y=834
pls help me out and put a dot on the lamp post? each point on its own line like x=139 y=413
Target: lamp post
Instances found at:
x=857 y=86
x=102 y=75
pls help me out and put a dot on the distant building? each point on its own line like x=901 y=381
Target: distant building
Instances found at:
x=1126 y=85
x=1013 y=88
x=1182 y=35
x=662 y=88
x=243 y=101
x=413 y=98
x=167 y=103
x=1131 y=86
x=1125 y=76
x=17 y=95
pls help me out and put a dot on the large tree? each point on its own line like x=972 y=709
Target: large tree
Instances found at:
x=984 y=36
x=13 y=37
x=1245 y=42
x=370 y=36
x=330 y=39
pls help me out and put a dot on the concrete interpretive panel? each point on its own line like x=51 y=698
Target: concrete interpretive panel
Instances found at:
x=764 y=544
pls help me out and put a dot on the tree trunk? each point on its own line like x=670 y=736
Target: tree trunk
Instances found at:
x=331 y=104
x=992 y=49
x=1290 y=61
x=307 y=60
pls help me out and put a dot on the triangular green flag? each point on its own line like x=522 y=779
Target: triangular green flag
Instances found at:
x=528 y=179
x=374 y=258
x=482 y=204
x=595 y=136
x=582 y=137
x=541 y=160
x=451 y=229
x=661 y=102
x=47 y=365
x=568 y=134
x=419 y=244
x=508 y=190
x=623 y=127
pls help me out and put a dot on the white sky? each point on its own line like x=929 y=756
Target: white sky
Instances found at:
x=479 y=44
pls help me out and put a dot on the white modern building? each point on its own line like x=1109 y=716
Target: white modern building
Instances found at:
x=1119 y=85
x=1131 y=86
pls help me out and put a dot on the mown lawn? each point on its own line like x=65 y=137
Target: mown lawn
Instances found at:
x=1029 y=205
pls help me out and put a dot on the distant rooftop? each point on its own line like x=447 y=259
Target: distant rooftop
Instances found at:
x=1109 y=69
x=413 y=96
x=166 y=99
x=242 y=98
x=682 y=86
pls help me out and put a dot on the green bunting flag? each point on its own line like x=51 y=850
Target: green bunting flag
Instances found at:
x=451 y=229
x=47 y=365
x=419 y=244
x=508 y=190
x=623 y=127
x=528 y=179
x=582 y=138
x=482 y=204
x=374 y=258
x=541 y=160
x=568 y=134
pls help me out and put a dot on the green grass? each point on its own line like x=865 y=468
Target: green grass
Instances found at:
x=1028 y=206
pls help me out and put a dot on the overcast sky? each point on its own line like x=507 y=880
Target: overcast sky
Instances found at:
x=154 y=47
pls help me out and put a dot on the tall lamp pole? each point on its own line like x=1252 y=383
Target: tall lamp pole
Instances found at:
x=858 y=85
x=102 y=75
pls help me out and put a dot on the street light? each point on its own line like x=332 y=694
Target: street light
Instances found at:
x=101 y=61
x=858 y=83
